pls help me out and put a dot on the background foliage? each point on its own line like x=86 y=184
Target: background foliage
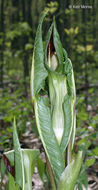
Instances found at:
x=78 y=32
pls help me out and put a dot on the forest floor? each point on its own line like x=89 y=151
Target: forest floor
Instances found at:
x=29 y=140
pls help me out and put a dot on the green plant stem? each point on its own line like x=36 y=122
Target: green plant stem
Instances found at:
x=64 y=158
x=52 y=180
x=69 y=151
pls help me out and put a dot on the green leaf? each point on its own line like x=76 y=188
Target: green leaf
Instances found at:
x=10 y=156
x=68 y=70
x=65 y=56
x=95 y=151
x=11 y=183
x=80 y=186
x=70 y=174
x=19 y=168
x=38 y=72
x=2 y=168
x=43 y=119
x=68 y=122
x=41 y=168
x=29 y=157
x=82 y=178
x=90 y=162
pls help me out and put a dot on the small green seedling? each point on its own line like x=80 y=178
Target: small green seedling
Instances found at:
x=20 y=165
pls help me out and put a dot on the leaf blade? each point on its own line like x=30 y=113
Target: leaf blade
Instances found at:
x=43 y=119
x=19 y=169
x=38 y=71
x=29 y=157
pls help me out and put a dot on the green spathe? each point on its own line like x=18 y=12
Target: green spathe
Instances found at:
x=57 y=92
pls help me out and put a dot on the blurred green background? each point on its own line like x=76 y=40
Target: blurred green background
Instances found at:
x=77 y=27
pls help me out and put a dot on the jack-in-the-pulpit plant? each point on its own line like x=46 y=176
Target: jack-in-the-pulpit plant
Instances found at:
x=53 y=94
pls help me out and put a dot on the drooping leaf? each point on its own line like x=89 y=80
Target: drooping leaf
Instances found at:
x=70 y=174
x=38 y=72
x=43 y=119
